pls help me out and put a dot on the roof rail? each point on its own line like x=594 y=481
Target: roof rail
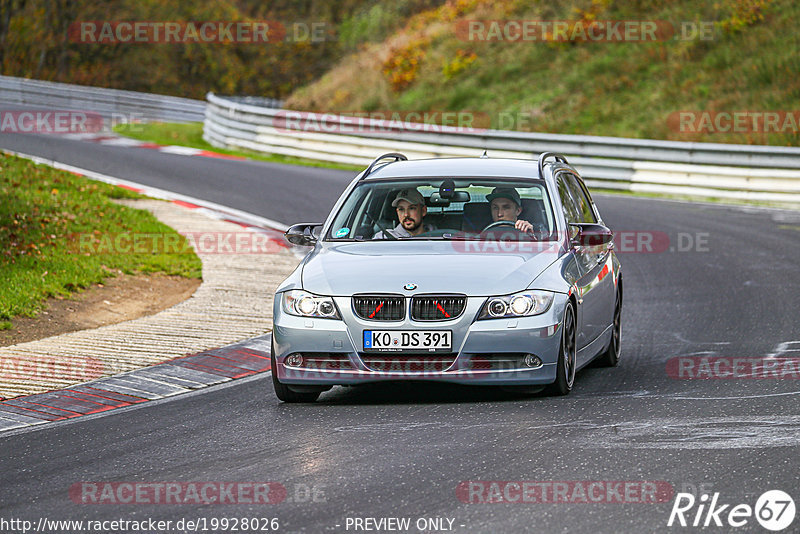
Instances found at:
x=396 y=155
x=546 y=155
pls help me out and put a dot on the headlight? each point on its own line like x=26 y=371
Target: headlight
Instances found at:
x=305 y=304
x=522 y=304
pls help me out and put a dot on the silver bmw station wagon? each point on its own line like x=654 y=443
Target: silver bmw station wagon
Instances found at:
x=468 y=270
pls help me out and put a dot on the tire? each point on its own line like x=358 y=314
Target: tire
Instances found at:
x=610 y=356
x=567 y=355
x=282 y=391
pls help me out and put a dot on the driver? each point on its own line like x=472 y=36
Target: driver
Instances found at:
x=410 y=206
x=505 y=205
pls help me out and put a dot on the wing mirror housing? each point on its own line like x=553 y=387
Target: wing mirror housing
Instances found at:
x=302 y=234
x=589 y=235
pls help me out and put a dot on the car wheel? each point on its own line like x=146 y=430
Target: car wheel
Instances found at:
x=283 y=392
x=610 y=357
x=567 y=355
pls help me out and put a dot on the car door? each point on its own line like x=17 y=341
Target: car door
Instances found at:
x=603 y=288
x=595 y=287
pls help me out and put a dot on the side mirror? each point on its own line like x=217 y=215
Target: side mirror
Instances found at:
x=302 y=234
x=589 y=235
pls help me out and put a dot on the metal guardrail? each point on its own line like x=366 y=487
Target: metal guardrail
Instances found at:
x=747 y=172
x=106 y=102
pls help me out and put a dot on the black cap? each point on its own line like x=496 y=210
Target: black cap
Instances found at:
x=505 y=192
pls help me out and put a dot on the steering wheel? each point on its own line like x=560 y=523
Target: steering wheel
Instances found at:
x=499 y=223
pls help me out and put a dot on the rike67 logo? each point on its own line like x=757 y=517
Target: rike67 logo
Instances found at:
x=774 y=510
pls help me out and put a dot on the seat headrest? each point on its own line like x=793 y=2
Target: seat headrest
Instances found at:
x=476 y=216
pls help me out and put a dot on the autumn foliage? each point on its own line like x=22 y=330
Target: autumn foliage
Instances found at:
x=37 y=40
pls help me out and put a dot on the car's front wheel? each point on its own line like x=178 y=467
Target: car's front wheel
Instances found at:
x=284 y=392
x=567 y=355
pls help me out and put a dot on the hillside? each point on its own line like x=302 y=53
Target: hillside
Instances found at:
x=748 y=61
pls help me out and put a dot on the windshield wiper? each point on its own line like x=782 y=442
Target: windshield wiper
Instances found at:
x=461 y=237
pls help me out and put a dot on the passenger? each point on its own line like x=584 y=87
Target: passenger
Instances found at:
x=505 y=205
x=410 y=206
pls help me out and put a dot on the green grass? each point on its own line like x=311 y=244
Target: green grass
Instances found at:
x=44 y=216
x=191 y=135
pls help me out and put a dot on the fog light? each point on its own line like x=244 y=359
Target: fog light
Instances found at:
x=531 y=360
x=294 y=360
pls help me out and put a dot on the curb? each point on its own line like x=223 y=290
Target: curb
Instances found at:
x=170 y=378
x=114 y=139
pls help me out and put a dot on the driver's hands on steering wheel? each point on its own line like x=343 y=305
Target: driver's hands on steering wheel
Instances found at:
x=523 y=226
x=519 y=225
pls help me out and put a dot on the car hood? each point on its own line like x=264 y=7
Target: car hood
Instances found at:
x=472 y=268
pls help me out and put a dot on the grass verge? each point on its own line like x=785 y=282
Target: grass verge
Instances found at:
x=45 y=215
x=191 y=135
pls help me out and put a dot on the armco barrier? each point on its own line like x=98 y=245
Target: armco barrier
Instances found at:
x=746 y=172
x=22 y=92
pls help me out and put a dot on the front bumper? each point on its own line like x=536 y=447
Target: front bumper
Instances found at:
x=483 y=351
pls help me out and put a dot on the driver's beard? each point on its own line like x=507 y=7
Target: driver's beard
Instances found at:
x=413 y=228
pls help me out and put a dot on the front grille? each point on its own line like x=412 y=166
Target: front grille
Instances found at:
x=437 y=307
x=380 y=307
x=410 y=364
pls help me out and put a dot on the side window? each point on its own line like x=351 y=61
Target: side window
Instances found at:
x=584 y=205
x=571 y=212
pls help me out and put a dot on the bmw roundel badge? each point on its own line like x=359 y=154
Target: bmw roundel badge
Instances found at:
x=410 y=287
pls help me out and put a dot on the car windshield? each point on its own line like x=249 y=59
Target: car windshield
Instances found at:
x=445 y=208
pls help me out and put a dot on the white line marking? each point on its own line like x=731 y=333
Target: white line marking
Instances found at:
x=122 y=141
x=181 y=150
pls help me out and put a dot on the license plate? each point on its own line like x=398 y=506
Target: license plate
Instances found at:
x=408 y=340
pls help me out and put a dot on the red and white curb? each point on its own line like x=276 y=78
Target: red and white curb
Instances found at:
x=173 y=377
x=109 y=139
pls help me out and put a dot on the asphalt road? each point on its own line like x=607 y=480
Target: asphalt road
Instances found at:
x=403 y=450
